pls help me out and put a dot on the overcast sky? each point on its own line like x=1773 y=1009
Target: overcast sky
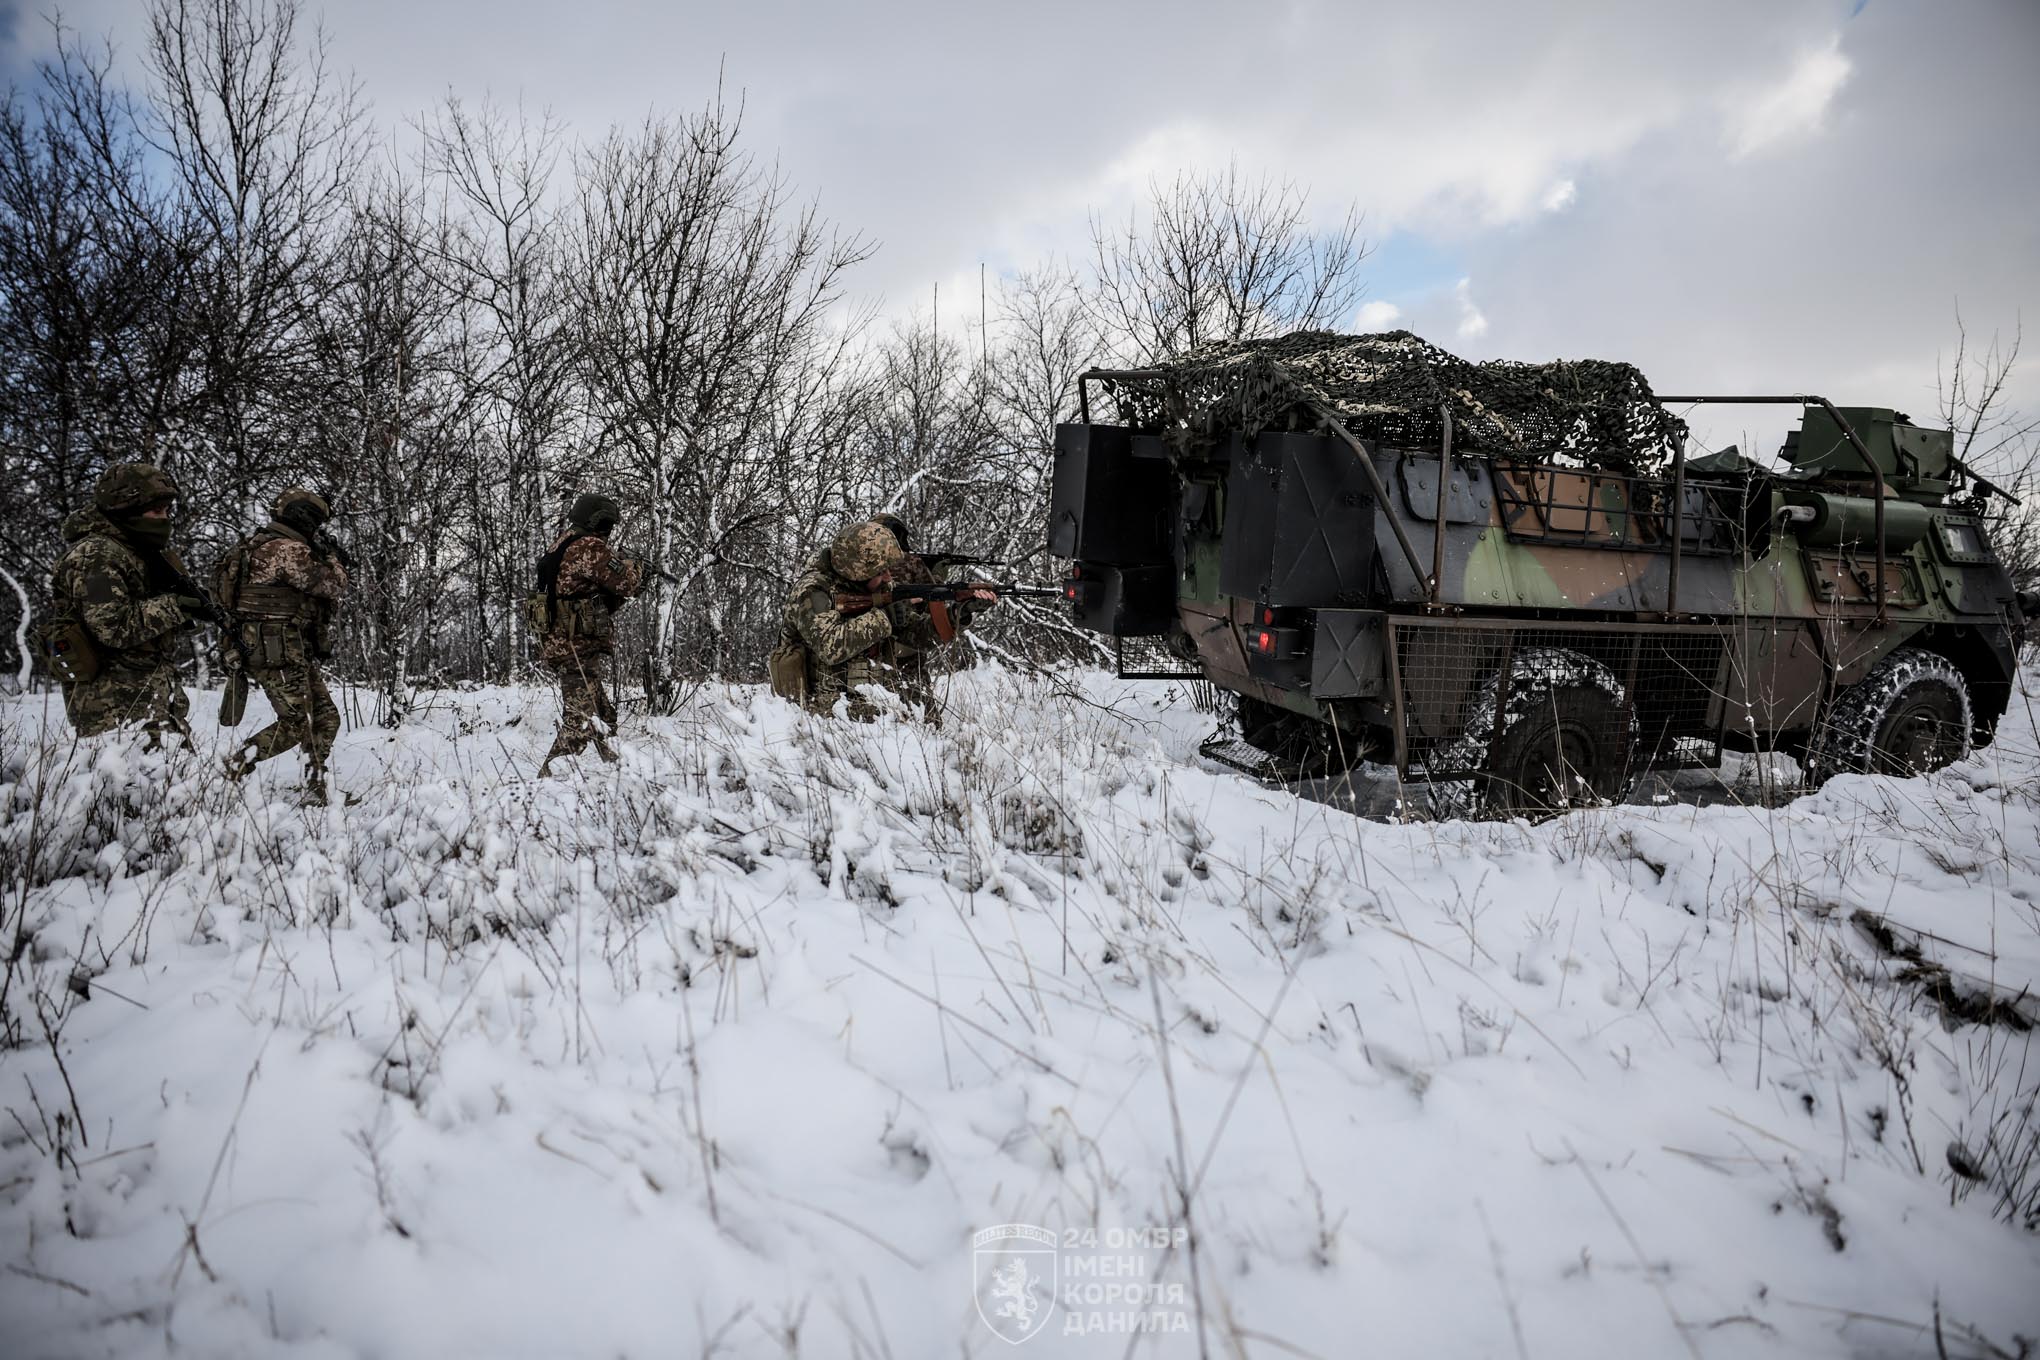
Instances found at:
x=1775 y=196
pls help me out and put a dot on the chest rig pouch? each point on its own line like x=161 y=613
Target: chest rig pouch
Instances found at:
x=68 y=653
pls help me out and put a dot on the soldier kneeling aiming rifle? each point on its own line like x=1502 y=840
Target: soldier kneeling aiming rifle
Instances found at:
x=865 y=612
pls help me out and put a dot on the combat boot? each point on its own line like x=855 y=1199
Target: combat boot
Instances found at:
x=165 y=737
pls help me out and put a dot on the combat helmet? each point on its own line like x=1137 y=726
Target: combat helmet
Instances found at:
x=130 y=488
x=597 y=514
x=302 y=509
x=898 y=527
x=864 y=550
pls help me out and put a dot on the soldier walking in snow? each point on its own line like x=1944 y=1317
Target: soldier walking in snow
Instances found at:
x=581 y=584
x=830 y=646
x=121 y=597
x=283 y=584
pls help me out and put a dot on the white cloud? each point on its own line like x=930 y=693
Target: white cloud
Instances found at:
x=1707 y=279
x=1790 y=111
x=1503 y=147
x=1472 y=321
x=1158 y=157
x=1377 y=316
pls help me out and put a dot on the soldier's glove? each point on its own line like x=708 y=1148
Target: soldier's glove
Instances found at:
x=195 y=609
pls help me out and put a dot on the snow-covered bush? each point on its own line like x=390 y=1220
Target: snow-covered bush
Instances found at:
x=737 y=1046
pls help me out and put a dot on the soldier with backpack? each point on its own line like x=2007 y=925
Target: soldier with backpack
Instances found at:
x=283 y=584
x=121 y=598
x=581 y=584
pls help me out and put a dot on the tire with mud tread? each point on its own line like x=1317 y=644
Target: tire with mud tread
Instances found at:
x=1567 y=732
x=1910 y=715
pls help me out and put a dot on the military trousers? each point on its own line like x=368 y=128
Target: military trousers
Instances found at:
x=305 y=712
x=908 y=679
x=587 y=713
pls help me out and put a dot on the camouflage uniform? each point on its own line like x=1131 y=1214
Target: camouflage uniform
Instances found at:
x=845 y=651
x=124 y=590
x=588 y=585
x=915 y=636
x=288 y=587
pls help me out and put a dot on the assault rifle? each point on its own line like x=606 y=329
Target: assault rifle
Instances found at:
x=939 y=561
x=948 y=592
x=327 y=543
x=203 y=606
x=234 y=695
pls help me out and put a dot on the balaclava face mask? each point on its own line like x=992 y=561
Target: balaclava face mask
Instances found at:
x=150 y=531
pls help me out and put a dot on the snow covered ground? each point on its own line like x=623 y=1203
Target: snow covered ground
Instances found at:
x=751 y=1045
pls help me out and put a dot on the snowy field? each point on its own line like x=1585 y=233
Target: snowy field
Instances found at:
x=750 y=1045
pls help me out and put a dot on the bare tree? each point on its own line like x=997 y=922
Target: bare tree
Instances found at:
x=504 y=259
x=1220 y=257
x=138 y=219
x=261 y=143
x=388 y=434
x=208 y=271
x=1048 y=337
x=94 y=272
x=65 y=300
x=927 y=439
x=807 y=443
x=1997 y=440
x=701 y=287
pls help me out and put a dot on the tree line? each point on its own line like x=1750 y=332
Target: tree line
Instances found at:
x=455 y=326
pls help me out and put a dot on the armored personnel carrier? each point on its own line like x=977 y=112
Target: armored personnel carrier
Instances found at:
x=1513 y=578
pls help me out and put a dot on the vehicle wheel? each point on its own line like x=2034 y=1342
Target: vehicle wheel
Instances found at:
x=1908 y=716
x=1567 y=731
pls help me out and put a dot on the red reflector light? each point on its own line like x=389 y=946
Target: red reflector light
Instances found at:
x=1075 y=572
x=1266 y=642
x=1267 y=616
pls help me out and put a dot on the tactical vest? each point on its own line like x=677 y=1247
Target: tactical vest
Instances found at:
x=276 y=602
x=574 y=617
x=276 y=623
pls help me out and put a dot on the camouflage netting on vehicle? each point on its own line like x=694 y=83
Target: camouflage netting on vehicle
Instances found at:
x=1393 y=386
